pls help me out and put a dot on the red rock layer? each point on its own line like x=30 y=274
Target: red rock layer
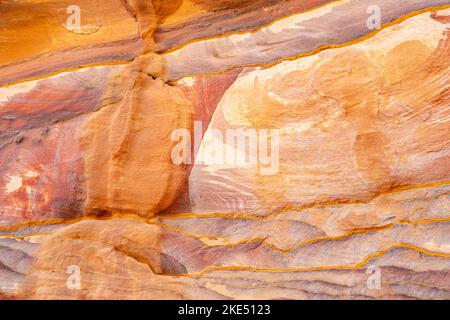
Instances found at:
x=360 y=183
x=41 y=159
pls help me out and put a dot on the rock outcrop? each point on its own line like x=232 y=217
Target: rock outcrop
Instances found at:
x=238 y=149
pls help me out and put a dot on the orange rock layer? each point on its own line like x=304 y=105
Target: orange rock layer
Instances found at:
x=351 y=185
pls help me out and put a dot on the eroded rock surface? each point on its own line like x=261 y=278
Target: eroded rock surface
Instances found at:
x=348 y=175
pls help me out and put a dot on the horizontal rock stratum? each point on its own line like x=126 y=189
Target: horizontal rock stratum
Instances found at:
x=225 y=149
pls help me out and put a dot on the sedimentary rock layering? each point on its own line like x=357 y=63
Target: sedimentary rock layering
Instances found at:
x=238 y=149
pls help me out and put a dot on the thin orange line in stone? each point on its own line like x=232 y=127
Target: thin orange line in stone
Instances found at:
x=272 y=246
x=309 y=206
x=315 y=240
x=317 y=268
x=50 y=221
x=65 y=70
x=320 y=48
x=252 y=30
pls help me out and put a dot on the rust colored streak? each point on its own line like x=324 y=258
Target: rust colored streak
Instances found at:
x=48 y=167
x=441 y=18
x=205 y=94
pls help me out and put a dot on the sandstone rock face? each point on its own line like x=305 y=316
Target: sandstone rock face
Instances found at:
x=339 y=140
x=127 y=145
x=225 y=149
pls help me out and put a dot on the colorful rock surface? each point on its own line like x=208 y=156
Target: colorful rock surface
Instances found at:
x=225 y=149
